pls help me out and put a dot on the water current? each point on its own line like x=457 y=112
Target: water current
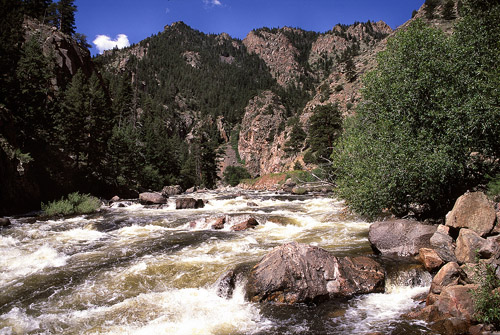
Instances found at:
x=143 y=270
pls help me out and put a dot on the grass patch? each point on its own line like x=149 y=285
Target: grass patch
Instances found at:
x=74 y=203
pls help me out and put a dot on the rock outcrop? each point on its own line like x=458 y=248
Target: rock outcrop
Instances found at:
x=400 y=237
x=299 y=273
x=262 y=138
x=279 y=54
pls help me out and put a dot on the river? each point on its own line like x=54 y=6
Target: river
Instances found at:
x=140 y=270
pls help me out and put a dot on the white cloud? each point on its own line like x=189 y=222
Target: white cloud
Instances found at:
x=212 y=2
x=103 y=42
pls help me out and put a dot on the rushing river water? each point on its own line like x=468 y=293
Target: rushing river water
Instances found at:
x=139 y=270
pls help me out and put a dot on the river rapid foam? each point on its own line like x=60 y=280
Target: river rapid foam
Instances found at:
x=141 y=270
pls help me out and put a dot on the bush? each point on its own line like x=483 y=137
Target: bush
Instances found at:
x=486 y=299
x=493 y=187
x=427 y=128
x=234 y=174
x=75 y=203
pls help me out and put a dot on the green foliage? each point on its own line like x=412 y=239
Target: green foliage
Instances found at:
x=448 y=11
x=234 y=174
x=430 y=6
x=486 y=297
x=325 y=127
x=426 y=130
x=66 y=10
x=297 y=166
x=296 y=139
x=493 y=187
x=74 y=203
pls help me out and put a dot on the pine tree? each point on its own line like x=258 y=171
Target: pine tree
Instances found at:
x=325 y=127
x=66 y=10
x=72 y=119
x=448 y=12
x=34 y=73
x=430 y=6
x=36 y=8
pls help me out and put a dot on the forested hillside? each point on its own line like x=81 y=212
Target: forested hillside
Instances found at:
x=169 y=109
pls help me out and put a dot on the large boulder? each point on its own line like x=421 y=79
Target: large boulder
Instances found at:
x=4 y=222
x=430 y=259
x=171 y=190
x=299 y=273
x=400 y=237
x=450 y=274
x=474 y=211
x=469 y=246
x=152 y=198
x=189 y=203
x=456 y=301
x=443 y=244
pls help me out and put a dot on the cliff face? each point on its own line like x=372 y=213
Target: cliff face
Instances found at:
x=68 y=55
x=261 y=138
x=278 y=53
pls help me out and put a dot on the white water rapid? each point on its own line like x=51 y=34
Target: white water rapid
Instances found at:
x=140 y=270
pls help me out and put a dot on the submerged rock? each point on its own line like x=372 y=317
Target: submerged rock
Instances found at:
x=247 y=224
x=400 y=237
x=189 y=203
x=299 y=273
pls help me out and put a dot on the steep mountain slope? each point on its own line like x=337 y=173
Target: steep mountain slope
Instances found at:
x=196 y=79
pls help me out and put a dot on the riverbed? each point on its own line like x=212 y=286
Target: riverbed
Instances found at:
x=147 y=270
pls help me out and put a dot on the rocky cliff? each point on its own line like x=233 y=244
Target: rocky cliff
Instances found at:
x=262 y=137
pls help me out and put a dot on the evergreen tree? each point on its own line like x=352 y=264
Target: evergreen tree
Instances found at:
x=296 y=140
x=35 y=102
x=66 y=10
x=325 y=127
x=11 y=38
x=448 y=11
x=430 y=7
x=72 y=119
x=36 y=8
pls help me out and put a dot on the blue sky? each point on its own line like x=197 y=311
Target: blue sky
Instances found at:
x=130 y=20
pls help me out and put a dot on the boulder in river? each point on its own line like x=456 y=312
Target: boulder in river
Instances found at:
x=171 y=190
x=152 y=198
x=400 y=237
x=189 y=203
x=247 y=224
x=474 y=211
x=300 y=273
x=4 y=222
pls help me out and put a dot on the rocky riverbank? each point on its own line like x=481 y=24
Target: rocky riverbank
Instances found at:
x=458 y=254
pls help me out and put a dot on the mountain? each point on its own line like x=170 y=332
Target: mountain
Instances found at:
x=177 y=108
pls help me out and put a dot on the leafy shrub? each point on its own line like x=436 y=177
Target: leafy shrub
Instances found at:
x=424 y=133
x=234 y=174
x=75 y=203
x=486 y=299
x=494 y=187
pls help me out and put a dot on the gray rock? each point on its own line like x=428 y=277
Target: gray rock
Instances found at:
x=468 y=244
x=4 y=222
x=299 y=273
x=444 y=245
x=400 y=237
x=152 y=198
x=171 y=190
x=189 y=203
